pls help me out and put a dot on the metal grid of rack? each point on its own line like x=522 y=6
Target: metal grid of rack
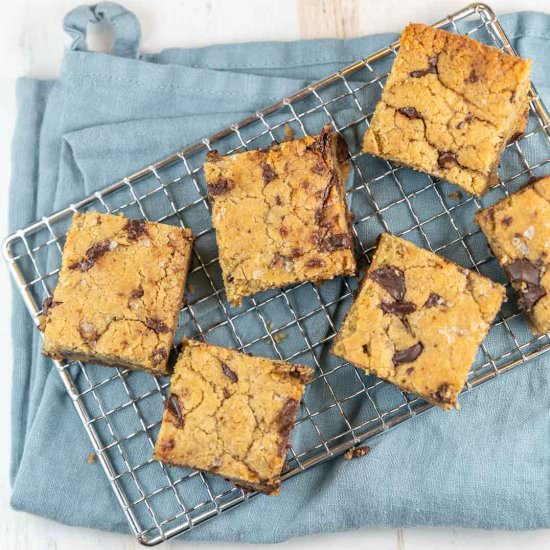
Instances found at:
x=121 y=411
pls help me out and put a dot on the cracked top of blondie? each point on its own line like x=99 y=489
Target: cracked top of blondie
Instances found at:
x=418 y=320
x=280 y=214
x=231 y=414
x=119 y=292
x=449 y=107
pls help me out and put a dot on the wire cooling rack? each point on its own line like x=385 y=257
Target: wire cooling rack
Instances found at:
x=121 y=411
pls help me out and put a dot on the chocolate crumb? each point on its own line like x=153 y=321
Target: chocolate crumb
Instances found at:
x=49 y=304
x=472 y=77
x=220 y=187
x=441 y=395
x=407 y=355
x=134 y=295
x=168 y=445
x=156 y=324
x=391 y=279
x=515 y=137
x=286 y=421
x=229 y=373
x=507 y=221
x=435 y=300
x=226 y=393
x=315 y=262
x=268 y=173
x=92 y=255
x=446 y=158
x=398 y=308
x=410 y=112
x=135 y=229
x=356 y=452
x=432 y=68
x=283 y=231
x=159 y=355
x=174 y=408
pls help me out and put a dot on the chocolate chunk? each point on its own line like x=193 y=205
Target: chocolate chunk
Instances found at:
x=356 y=452
x=220 y=187
x=88 y=331
x=467 y=119
x=410 y=370
x=515 y=137
x=432 y=68
x=410 y=112
x=283 y=231
x=315 y=262
x=472 y=77
x=49 y=304
x=168 y=445
x=135 y=229
x=92 y=255
x=319 y=213
x=296 y=252
x=156 y=324
x=335 y=242
x=320 y=144
x=342 y=153
x=398 y=308
x=268 y=173
x=137 y=293
x=507 y=221
x=365 y=348
x=526 y=277
x=435 y=300
x=173 y=407
x=319 y=168
x=158 y=356
x=442 y=394
x=392 y=279
x=226 y=393
x=229 y=373
x=446 y=158
x=407 y=355
x=286 y=421
x=278 y=200
x=530 y=296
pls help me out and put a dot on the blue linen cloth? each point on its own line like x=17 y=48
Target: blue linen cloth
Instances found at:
x=486 y=466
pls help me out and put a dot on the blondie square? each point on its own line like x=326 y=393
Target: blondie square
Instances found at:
x=280 y=214
x=119 y=292
x=418 y=320
x=518 y=231
x=449 y=107
x=231 y=414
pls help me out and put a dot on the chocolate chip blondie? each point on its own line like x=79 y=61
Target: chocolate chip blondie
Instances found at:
x=231 y=414
x=518 y=231
x=119 y=292
x=418 y=320
x=280 y=214
x=449 y=107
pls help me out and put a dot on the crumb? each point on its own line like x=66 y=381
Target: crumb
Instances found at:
x=91 y=458
x=356 y=452
x=455 y=195
x=190 y=288
x=279 y=336
x=289 y=132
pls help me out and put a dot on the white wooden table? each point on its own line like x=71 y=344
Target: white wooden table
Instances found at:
x=32 y=44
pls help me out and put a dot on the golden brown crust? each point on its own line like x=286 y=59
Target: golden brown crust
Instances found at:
x=518 y=231
x=119 y=293
x=231 y=414
x=449 y=107
x=418 y=320
x=280 y=215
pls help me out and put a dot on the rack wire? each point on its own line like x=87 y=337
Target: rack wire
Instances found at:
x=121 y=411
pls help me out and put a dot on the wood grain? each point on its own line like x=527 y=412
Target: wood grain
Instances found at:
x=328 y=18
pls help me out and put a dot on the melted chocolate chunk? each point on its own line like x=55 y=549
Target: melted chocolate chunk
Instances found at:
x=92 y=255
x=49 y=304
x=335 y=242
x=173 y=407
x=315 y=262
x=410 y=112
x=320 y=144
x=442 y=393
x=407 y=355
x=268 y=173
x=507 y=221
x=398 y=308
x=156 y=324
x=391 y=279
x=472 y=77
x=530 y=296
x=286 y=421
x=435 y=300
x=158 y=356
x=220 y=187
x=229 y=373
x=432 y=68
x=524 y=271
x=319 y=213
x=135 y=229
x=446 y=158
